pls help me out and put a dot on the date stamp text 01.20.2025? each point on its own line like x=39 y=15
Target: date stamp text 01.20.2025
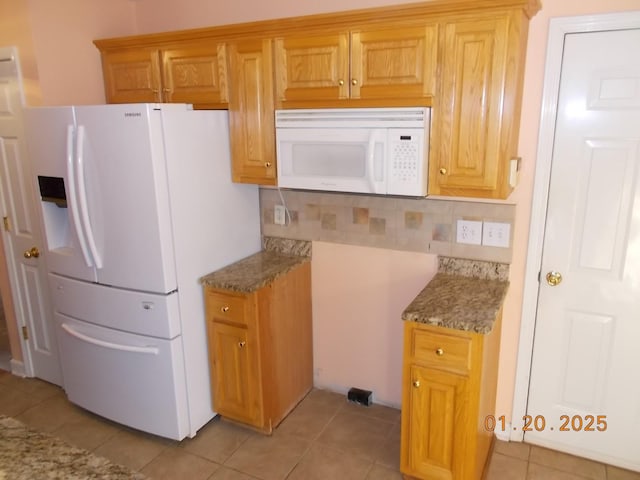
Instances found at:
x=538 y=423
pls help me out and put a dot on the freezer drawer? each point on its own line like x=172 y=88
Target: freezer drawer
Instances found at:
x=150 y=314
x=131 y=379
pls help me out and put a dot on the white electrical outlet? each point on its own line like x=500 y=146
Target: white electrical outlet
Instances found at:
x=279 y=213
x=469 y=231
x=496 y=234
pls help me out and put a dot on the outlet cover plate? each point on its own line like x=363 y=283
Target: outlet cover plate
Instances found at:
x=496 y=234
x=469 y=231
x=279 y=215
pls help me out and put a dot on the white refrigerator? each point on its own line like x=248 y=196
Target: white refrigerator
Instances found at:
x=137 y=204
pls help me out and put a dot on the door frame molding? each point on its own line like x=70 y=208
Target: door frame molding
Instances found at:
x=559 y=27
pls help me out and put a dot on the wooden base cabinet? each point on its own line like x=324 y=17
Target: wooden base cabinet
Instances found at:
x=449 y=384
x=260 y=349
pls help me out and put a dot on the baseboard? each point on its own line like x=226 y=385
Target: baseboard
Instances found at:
x=17 y=368
x=503 y=435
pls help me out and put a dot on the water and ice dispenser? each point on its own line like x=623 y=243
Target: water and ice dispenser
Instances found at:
x=57 y=223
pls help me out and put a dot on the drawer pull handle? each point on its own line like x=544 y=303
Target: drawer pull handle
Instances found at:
x=242 y=344
x=224 y=309
x=443 y=171
x=439 y=352
x=416 y=383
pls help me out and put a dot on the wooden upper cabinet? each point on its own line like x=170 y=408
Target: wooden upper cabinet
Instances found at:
x=251 y=112
x=477 y=110
x=132 y=75
x=189 y=73
x=195 y=74
x=369 y=67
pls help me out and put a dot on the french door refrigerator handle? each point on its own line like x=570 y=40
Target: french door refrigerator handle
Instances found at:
x=82 y=197
x=105 y=344
x=72 y=198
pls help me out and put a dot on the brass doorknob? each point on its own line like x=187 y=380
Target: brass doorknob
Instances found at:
x=439 y=352
x=443 y=171
x=224 y=309
x=242 y=344
x=33 y=253
x=554 y=278
x=341 y=82
x=354 y=81
x=267 y=164
x=416 y=383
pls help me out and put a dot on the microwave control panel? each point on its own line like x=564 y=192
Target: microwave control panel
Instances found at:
x=406 y=157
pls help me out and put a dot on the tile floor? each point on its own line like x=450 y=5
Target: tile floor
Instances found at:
x=325 y=437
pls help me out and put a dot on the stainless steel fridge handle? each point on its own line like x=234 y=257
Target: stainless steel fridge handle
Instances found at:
x=72 y=198
x=82 y=197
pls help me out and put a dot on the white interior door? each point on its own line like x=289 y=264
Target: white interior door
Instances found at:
x=583 y=390
x=21 y=230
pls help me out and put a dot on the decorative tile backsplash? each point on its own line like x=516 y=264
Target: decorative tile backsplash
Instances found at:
x=420 y=225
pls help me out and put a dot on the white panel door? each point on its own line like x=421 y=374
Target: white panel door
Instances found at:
x=583 y=379
x=22 y=235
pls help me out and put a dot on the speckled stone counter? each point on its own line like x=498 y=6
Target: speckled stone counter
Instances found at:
x=26 y=455
x=464 y=295
x=254 y=272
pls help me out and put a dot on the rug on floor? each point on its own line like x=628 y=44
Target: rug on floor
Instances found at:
x=28 y=454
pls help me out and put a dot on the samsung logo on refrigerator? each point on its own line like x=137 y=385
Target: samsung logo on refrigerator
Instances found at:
x=132 y=114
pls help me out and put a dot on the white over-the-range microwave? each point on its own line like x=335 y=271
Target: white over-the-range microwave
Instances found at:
x=361 y=150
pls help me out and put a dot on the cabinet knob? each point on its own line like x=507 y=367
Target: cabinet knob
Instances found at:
x=354 y=81
x=267 y=164
x=439 y=352
x=242 y=344
x=443 y=171
x=341 y=82
x=224 y=309
x=416 y=383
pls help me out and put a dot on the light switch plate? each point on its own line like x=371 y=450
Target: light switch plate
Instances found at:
x=496 y=234
x=469 y=231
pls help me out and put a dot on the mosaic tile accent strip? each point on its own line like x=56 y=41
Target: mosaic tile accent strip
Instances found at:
x=411 y=224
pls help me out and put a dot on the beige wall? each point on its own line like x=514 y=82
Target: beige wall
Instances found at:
x=59 y=62
x=162 y=15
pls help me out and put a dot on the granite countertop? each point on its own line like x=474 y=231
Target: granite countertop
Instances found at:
x=464 y=295
x=254 y=272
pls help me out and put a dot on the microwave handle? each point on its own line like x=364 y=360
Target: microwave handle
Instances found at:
x=371 y=150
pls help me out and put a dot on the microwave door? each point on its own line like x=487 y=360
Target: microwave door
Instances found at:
x=329 y=159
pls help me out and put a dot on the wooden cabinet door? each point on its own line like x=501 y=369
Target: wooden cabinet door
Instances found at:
x=434 y=424
x=195 y=74
x=467 y=158
x=394 y=63
x=312 y=68
x=236 y=385
x=251 y=112
x=132 y=75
